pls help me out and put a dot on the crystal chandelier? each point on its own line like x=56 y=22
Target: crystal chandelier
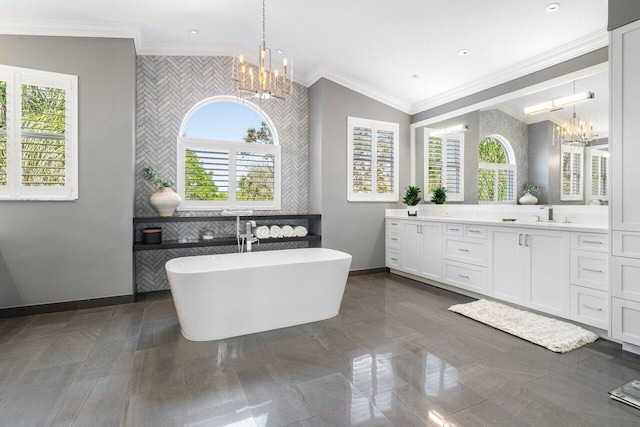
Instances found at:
x=262 y=82
x=576 y=131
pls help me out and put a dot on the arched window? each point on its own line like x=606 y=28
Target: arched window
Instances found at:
x=228 y=157
x=497 y=171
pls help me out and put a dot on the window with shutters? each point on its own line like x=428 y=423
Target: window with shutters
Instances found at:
x=38 y=135
x=228 y=157
x=571 y=162
x=598 y=173
x=372 y=163
x=497 y=171
x=444 y=160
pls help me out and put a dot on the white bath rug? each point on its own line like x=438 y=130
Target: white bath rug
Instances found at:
x=555 y=335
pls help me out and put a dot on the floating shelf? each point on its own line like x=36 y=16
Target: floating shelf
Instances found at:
x=174 y=244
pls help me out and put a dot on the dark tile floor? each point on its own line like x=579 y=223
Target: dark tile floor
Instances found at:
x=394 y=356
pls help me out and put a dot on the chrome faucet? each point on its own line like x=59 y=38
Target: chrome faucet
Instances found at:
x=246 y=237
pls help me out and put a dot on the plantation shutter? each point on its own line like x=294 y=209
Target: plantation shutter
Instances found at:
x=599 y=170
x=221 y=174
x=444 y=162
x=206 y=174
x=506 y=185
x=38 y=135
x=3 y=137
x=572 y=159
x=372 y=160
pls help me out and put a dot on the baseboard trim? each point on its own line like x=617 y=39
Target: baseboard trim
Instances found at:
x=55 y=307
x=368 y=271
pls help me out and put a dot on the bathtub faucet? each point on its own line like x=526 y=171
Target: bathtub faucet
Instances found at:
x=246 y=237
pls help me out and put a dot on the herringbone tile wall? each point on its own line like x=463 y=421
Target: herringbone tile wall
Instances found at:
x=167 y=87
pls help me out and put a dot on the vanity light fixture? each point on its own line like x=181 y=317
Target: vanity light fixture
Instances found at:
x=452 y=129
x=552 y=7
x=262 y=82
x=559 y=103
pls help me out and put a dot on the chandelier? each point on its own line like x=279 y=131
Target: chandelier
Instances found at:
x=262 y=82
x=576 y=131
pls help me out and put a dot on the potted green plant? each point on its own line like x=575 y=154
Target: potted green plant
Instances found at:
x=411 y=199
x=165 y=200
x=439 y=195
x=530 y=191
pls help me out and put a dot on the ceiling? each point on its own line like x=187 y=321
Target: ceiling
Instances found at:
x=373 y=47
x=594 y=110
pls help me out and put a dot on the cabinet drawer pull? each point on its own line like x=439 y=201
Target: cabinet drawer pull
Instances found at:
x=591 y=307
x=463 y=250
x=595 y=242
x=463 y=276
x=454 y=229
x=474 y=231
x=394 y=223
x=394 y=259
x=393 y=238
x=593 y=270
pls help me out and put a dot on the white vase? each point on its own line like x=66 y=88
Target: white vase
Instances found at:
x=528 y=199
x=412 y=210
x=165 y=201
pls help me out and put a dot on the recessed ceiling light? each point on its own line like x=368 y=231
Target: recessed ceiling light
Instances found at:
x=194 y=31
x=463 y=52
x=415 y=76
x=552 y=7
x=280 y=51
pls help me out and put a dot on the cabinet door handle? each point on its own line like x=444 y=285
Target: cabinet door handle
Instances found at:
x=463 y=276
x=526 y=240
x=591 y=307
x=593 y=270
x=463 y=250
x=520 y=239
x=420 y=229
x=595 y=242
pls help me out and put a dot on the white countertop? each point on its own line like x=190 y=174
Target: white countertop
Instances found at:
x=593 y=228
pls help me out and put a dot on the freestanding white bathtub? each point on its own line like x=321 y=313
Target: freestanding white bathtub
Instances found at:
x=222 y=296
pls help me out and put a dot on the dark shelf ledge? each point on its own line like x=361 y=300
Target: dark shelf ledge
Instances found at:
x=152 y=219
x=174 y=244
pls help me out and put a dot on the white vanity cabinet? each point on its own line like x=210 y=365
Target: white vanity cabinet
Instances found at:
x=415 y=247
x=625 y=186
x=531 y=268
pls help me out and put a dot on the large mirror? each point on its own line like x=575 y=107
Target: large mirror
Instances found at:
x=486 y=153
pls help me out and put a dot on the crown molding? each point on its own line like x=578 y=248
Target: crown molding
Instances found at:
x=547 y=59
x=120 y=30
x=360 y=87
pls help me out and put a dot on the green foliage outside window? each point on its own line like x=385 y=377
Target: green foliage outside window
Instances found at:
x=492 y=151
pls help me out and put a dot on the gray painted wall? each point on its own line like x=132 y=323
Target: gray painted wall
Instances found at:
x=65 y=251
x=540 y=162
x=622 y=12
x=355 y=228
x=592 y=58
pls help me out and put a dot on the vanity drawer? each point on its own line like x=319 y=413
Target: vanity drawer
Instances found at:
x=393 y=239
x=454 y=229
x=477 y=231
x=625 y=320
x=590 y=241
x=590 y=269
x=393 y=258
x=465 y=276
x=590 y=307
x=393 y=225
x=625 y=278
x=626 y=244
x=466 y=250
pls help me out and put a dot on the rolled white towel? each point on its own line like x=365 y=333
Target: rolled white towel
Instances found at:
x=300 y=231
x=275 y=231
x=261 y=232
x=287 y=231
